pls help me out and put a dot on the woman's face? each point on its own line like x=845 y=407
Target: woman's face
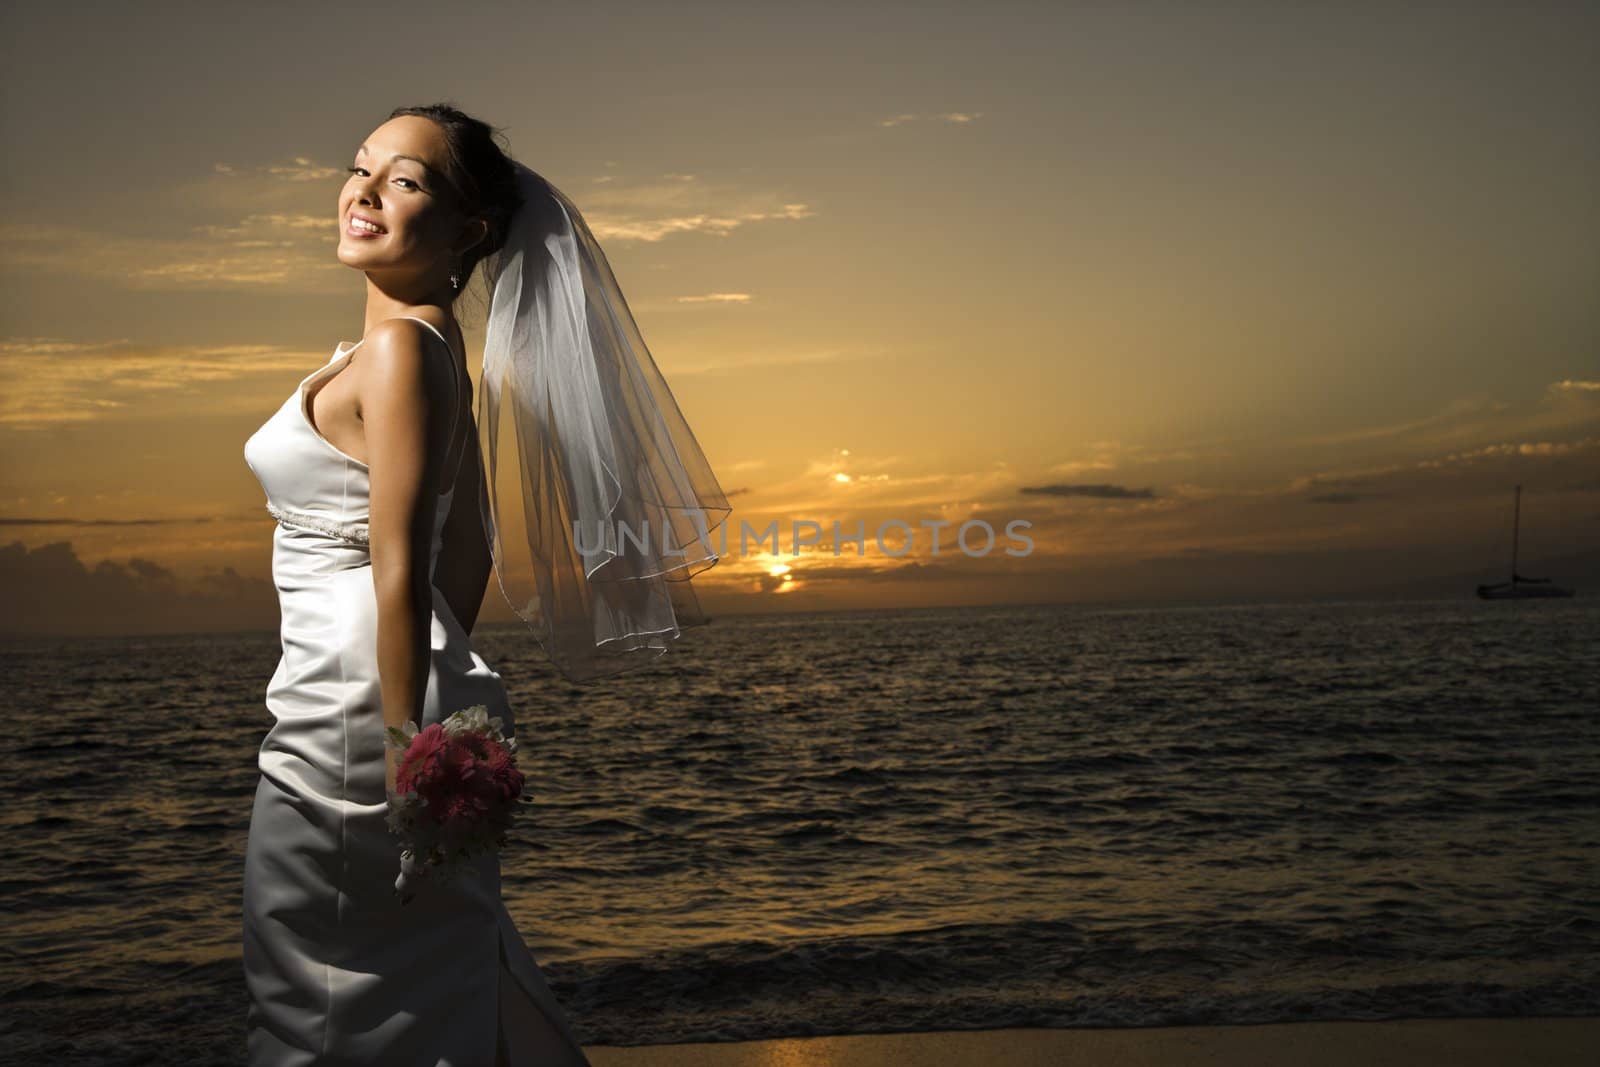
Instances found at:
x=397 y=182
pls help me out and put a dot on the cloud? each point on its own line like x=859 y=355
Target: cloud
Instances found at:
x=288 y=241
x=304 y=170
x=1513 y=448
x=1101 y=492
x=277 y=250
x=48 y=590
x=1458 y=417
x=1555 y=466
x=1564 y=407
x=959 y=118
x=716 y=298
x=51 y=382
x=1110 y=455
x=651 y=228
x=812 y=570
x=1103 y=457
x=672 y=204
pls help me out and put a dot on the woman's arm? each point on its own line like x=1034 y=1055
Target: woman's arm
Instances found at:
x=403 y=435
x=462 y=573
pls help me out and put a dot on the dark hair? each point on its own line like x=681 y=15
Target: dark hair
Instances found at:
x=481 y=173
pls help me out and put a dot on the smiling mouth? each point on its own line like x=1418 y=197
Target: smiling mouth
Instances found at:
x=357 y=228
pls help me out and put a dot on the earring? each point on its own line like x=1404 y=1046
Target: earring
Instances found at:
x=455 y=276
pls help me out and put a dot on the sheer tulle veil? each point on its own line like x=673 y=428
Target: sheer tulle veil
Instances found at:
x=618 y=501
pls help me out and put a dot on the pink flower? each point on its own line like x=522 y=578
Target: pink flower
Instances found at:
x=420 y=764
x=463 y=811
x=503 y=773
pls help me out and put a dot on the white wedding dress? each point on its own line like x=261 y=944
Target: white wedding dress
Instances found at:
x=338 y=971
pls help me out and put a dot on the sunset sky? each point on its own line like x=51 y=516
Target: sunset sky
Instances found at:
x=1223 y=299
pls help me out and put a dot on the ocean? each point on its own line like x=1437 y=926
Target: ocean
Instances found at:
x=882 y=821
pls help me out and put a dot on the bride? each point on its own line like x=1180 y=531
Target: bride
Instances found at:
x=388 y=523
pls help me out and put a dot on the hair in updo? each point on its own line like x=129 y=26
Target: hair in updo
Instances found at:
x=482 y=173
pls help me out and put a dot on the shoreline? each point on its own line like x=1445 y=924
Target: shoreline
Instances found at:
x=1550 y=1041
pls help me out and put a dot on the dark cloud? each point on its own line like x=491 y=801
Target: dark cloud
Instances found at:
x=48 y=590
x=1100 y=491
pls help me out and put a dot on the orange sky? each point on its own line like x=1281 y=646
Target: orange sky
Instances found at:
x=1222 y=302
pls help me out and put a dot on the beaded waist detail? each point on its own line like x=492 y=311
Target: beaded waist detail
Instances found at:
x=354 y=532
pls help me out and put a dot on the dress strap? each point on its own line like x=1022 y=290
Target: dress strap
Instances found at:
x=429 y=325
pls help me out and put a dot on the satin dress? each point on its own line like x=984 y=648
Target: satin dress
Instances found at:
x=338 y=971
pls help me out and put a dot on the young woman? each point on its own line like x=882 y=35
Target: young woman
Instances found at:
x=387 y=531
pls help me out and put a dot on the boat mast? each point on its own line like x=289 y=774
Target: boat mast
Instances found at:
x=1516 y=524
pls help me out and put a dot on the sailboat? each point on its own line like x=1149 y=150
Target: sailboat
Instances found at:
x=1520 y=588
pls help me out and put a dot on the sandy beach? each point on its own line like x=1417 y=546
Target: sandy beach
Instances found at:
x=1535 y=1042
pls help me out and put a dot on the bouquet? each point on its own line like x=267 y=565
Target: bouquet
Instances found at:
x=457 y=787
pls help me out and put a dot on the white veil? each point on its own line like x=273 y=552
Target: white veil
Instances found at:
x=618 y=500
